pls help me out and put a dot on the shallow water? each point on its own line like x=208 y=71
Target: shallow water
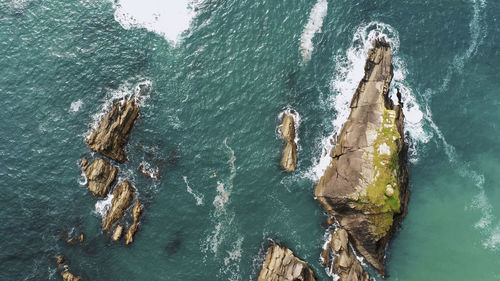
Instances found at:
x=220 y=78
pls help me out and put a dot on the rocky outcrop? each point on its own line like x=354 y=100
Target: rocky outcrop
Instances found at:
x=122 y=198
x=282 y=265
x=112 y=132
x=68 y=276
x=100 y=174
x=366 y=185
x=136 y=212
x=289 y=159
x=118 y=233
x=345 y=264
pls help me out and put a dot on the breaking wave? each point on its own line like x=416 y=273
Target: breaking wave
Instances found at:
x=312 y=27
x=349 y=72
x=198 y=198
x=169 y=19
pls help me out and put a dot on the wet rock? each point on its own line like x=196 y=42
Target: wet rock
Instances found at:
x=111 y=135
x=345 y=263
x=60 y=260
x=118 y=233
x=81 y=237
x=136 y=212
x=122 y=198
x=68 y=276
x=289 y=159
x=282 y=265
x=370 y=155
x=84 y=163
x=101 y=174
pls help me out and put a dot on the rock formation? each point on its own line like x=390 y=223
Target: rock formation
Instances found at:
x=122 y=198
x=100 y=174
x=113 y=130
x=136 y=212
x=289 y=159
x=282 y=265
x=345 y=264
x=118 y=233
x=68 y=276
x=366 y=185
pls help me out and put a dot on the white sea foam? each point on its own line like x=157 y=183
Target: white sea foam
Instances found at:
x=140 y=91
x=167 y=18
x=231 y=268
x=75 y=106
x=296 y=122
x=349 y=72
x=198 y=198
x=312 y=27
x=102 y=206
x=222 y=216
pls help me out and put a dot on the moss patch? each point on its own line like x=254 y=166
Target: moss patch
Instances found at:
x=385 y=159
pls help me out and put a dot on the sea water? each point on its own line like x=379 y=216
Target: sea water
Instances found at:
x=221 y=75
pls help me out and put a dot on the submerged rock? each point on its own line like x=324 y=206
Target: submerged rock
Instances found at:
x=282 y=265
x=289 y=159
x=100 y=174
x=366 y=185
x=122 y=198
x=345 y=263
x=113 y=130
x=136 y=212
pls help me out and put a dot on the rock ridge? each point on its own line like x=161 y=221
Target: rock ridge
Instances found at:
x=366 y=185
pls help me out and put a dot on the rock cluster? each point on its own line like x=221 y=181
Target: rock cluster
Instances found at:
x=289 y=159
x=345 y=264
x=100 y=174
x=122 y=198
x=366 y=185
x=282 y=265
x=112 y=133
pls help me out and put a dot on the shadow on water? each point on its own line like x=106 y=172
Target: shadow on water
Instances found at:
x=174 y=244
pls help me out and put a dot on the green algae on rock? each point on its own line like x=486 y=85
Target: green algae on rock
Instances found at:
x=366 y=185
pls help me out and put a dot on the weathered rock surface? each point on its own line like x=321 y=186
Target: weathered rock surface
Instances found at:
x=68 y=276
x=100 y=174
x=118 y=233
x=122 y=198
x=345 y=263
x=366 y=185
x=282 y=265
x=289 y=159
x=136 y=212
x=113 y=130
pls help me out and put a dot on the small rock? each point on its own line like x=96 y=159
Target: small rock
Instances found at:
x=68 y=276
x=84 y=163
x=282 y=265
x=60 y=260
x=389 y=191
x=80 y=237
x=111 y=135
x=289 y=159
x=101 y=174
x=122 y=198
x=118 y=233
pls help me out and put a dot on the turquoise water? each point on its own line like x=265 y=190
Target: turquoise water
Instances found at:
x=216 y=96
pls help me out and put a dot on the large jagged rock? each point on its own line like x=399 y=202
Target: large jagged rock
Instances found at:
x=113 y=130
x=122 y=198
x=136 y=212
x=345 y=264
x=289 y=159
x=282 y=265
x=100 y=174
x=366 y=185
